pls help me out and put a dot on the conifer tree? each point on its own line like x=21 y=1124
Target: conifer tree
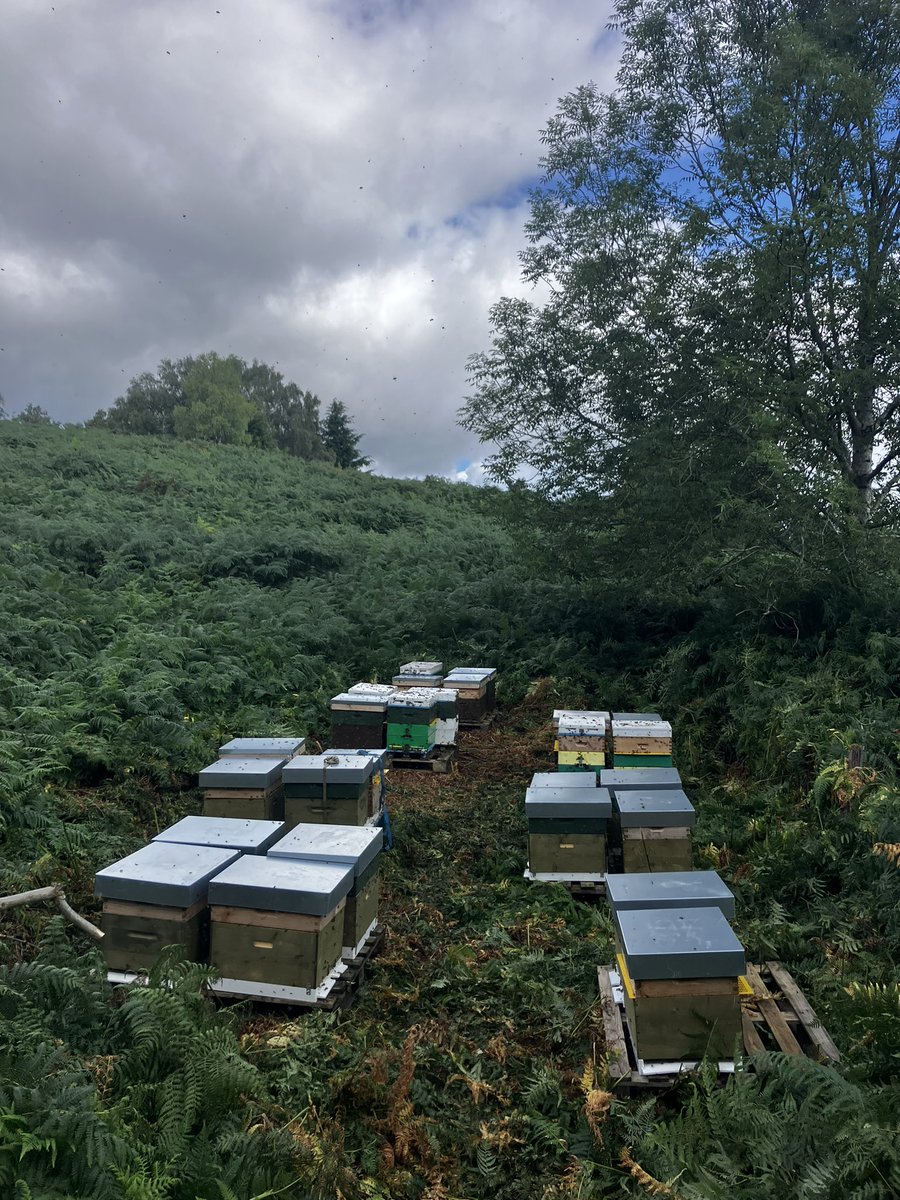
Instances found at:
x=339 y=437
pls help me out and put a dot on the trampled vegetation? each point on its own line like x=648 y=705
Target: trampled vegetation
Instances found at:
x=160 y=595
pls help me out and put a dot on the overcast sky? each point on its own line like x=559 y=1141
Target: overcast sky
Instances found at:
x=338 y=188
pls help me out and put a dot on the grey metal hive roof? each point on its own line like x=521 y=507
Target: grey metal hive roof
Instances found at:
x=669 y=889
x=164 y=873
x=640 y=779
x=617 y=716
x=564 y=779
x=641 y=729
x=253 y=747
x=227 y=833
x=372 y=689
x=378 y=757
x=421 y=668
x=560 y=803
x=654 y=809
x=355 y=846
x=679 y=943
x=336 y=768
x=288 y=885
x=241 y=773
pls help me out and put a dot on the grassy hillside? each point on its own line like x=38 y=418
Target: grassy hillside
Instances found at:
x=158 y=596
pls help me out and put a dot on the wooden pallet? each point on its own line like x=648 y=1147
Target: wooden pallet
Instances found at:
x=440 y=760
x=587 y=889
x=776 y=1017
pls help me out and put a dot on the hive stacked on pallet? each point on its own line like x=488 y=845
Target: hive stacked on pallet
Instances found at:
x=446 y=731
x=281 y=748
x=581 y=741
x=476 y=688
x=328 y=789
x=380 y=760
x=644 y=741
x=681 y=968
x=655 y=829
x=246 y=788
x=224 y=833
x=157 y=897
x=277 y=927
x=567 y=829
x=412 y=722
x=419 y=674
x=358 y=716
x=359 y=849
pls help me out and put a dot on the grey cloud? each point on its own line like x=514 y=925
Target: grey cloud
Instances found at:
x=178 y=179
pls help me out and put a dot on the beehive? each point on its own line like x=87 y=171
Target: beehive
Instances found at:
x=446 y=730
x=224 y=833
x=412 y=722
x=626 y=716
x=419 y=674
x=277 y=921
x=643 y=743
x=579 y=714
x=559 y=779
x=655 y=829
x=581 y=742
x=154 y=898
x=377 y=784
x=567 y=831
x=670 y=889
x=263 y=747
x=681 y=971
x=476 y=688
x=245 y=788
x=329 y=789
x=636 y=779
x=358 y=718
x=359 y=849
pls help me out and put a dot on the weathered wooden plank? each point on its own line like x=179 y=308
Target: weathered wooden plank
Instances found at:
x=158 y=912
x=752 y=1041
x=613 y=1031
x=804 y=1010
x=772 y=1013
x=301 y=922
x=687 y=987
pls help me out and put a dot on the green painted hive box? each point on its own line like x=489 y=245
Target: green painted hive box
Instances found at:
x=154 y=898
x=567 y=830
x=359 y=849
x=245 y=789
x=278 y=921
x=681 y=972
x=655 y=830
x=330 y=789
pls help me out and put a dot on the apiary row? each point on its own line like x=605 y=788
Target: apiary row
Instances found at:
x=593 y=740
x=338 y=787
x=576 y=818
x=275 y=911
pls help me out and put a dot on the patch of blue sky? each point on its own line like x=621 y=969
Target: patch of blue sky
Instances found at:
x=514 y=195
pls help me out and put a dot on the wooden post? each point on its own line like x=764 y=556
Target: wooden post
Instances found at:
x=855 y=756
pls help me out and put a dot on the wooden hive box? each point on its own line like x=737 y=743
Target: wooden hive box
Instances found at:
x=281 y=748
x=446 y=702
x=248 y=789
x=277 y=921
x=359 y=849
x=681 y=973
x=329 y=789
x=419 y=674
x=358 y=719
x=477 y=691
x=154 y=898
x=377 y=783
x=224 y=833
x=412 y=721
x=567 y=830
x=654 y=829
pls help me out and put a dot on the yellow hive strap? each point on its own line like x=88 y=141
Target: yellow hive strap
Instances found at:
x=744 y=988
